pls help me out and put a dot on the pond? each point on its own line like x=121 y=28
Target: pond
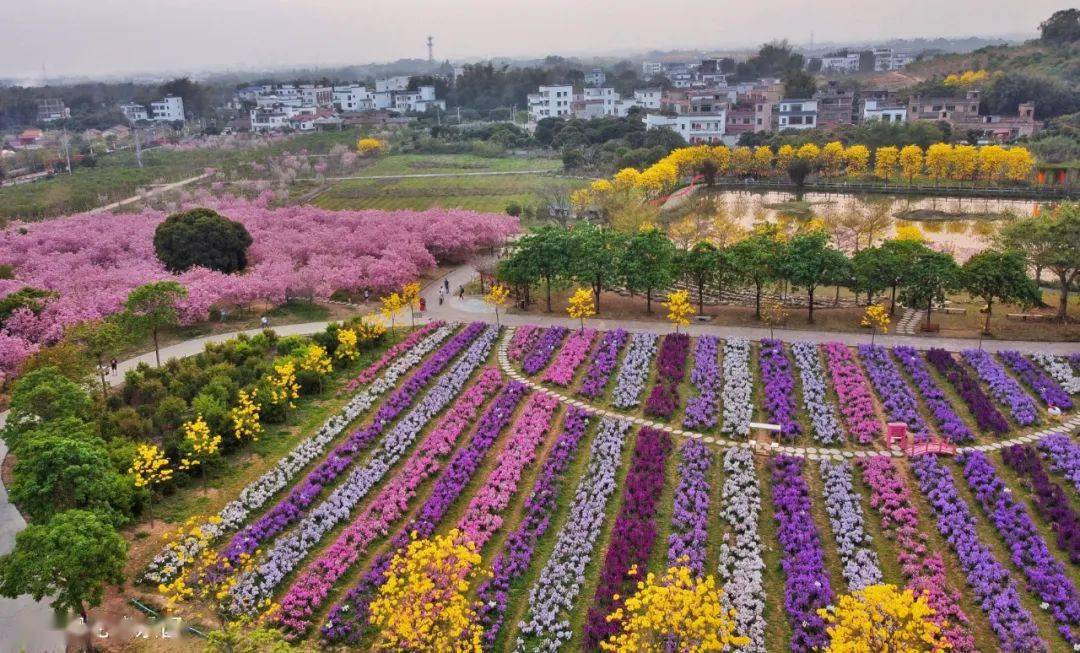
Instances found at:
x=962 y=226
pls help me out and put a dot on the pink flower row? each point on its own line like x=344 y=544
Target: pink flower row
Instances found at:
x=522 y=341
x=482 y=518
x=368 y=375
x=312 y=587
x=856 y=401
x=573 y=353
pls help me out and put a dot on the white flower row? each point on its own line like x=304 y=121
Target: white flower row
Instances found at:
x=559 y=583
x=815 y=394
x=741 y=566
x=738 y=388
x=861 y=565
x=1060 y=370
x=290 y=550
x=168 y=564
x=634 y=371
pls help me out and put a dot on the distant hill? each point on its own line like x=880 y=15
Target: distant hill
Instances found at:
x=1057 y=61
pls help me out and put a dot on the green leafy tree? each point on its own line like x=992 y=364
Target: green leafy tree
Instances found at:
x=932 y=275
x=809 y=261
x=153 y=306
x=201 y=237
x=1051 y=242
x=102 y=339
x=757 y=258
x=547 y=250
x=42 y=396
x=886 y=266
x=700 y=266
x=647 y=263
x=799 y=84
x=32 y=299
x=70 y=559
x=994 y=275
x=1061 y=27
x=594 y=257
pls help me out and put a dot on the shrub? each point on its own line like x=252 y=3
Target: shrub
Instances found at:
x=201 y=238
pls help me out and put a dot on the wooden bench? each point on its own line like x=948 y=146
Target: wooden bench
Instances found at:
x=1024 y=317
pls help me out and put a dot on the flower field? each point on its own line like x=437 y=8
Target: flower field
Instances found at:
x=567 y=466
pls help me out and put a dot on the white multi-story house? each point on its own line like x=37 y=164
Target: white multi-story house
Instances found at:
x=695 y=128
x=134 y=112
x=595 y=77
x=879 y=111
x=886 y=59
x=168 y=109
x=796 y=114
x=648 y=98
x=606 y=95
x=353 y=97
x=650 y=68
x=844 y=63
x=264 y=119
x=550 y=102
x=399 y=83
x=316 y=96
x=417 y=101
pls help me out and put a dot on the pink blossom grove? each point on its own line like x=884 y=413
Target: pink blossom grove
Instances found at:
x=92 y=261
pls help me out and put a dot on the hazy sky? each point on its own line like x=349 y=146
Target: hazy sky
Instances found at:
x=120 y=36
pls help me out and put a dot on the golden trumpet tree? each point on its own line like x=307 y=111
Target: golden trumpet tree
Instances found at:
x=911 y=161
x=882 y=619
x=939 y=158
x=679 y=308
x=581 y=305
x=856 y=159
x=497 y=297
x=885 y=162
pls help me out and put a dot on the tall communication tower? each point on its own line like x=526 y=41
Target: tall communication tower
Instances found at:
x=430 y=49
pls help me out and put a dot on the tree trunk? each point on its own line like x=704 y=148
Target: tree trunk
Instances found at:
x=892 y=303
x=596 y=297
x=1063 y=301
x=986 y=325
x=757 y=301
x=929 y=307
x=648 y=301
x=89 y=632
x=836 y=300
x=810 y=293
x=701 y=298
x=157 y=352
x=548 y=284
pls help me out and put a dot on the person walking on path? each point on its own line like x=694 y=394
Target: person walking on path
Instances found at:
x=264 y=322
x=446 y=285
x=461 y=292
x=114 y=364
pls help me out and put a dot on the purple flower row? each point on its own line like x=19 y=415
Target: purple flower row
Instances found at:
x=543 y=350
x=1064 y=456
x=517 y=552
x=900 y=404
x=546 y=626
x=988 y=579
x=702 y=409
x=1004 y=388
x=1047 y=389
x=986 y=414
x=633 y=535
x=806 y=585
x=390 y=354
x=603 y=364
x=860 y=562
x=738 y=388
x=671 y=368
x=815 y=394
x=690 y=509
x=307 y=593
x=741 y=567
x=347 y=619
x=634 y=371
x=290 y=550
x=856 y=402
x=779 y=387
x=523 y=340
x=949 y=423
x=570 y=357
x=292 y=507
x=1046 y=575
x=1050 y=500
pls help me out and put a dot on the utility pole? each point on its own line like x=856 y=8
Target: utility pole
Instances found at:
x=138 y=144
x=430 y=50
x=67 y=149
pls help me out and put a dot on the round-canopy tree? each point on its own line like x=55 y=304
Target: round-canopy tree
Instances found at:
x=201 y=237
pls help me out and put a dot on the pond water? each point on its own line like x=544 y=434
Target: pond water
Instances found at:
x=962 y=226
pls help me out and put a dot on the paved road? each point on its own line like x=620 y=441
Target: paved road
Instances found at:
x=164 y=188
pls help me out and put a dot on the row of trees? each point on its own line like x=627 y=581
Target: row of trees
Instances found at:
x=649 y=262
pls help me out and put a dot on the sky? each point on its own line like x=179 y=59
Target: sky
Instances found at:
x=98 y=37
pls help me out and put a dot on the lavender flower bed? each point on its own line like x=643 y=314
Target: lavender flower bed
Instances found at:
x=1050 y=500
x=517 y=552
x=986 y=414
x=741 y=567
x=546 y=626
x=900 y=404
x=1074 y=360
x=806 y=585
x=947 y=420
x=738 y=388
x=1046 y=576
x=1060 y=370
x=671 y=368
x=634 y=371
x=702 y=409
x=346 y=619
x=543 y=350
x=779 y=387
x=861 y=565
x=604 y=362
x=815 y=394
x=288 y=552
x=1049 y=391
x=987 y=578
x=1064 y=456
x=1006 y=390
x=170 y=562
x=690 y=512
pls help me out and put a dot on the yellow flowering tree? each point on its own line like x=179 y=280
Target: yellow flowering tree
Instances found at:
x=209 y=578
x=626 y=179
x=674 y=612
x=391 y=304
x=965 y=162
x=284 y=388
x=149 y=469
x=992 y=162
x=369 y=329
x=876 y=317
x=371 y=146
x=347 y=348
x=885 y=162
x=808 y=152
x=763 y=160
x=784 y=155
x=1018 y=163
x=679 y=308
x=245 y=417
x=410 y=296
x=199 y=446
x=832 y=158
x=856 y=159
x=774 y=313
x=424 y=604
x=742 y=160
x=909 y=232
x=721 y=155
x=314 y=364
x=497 y=297
x=939 y=159
x=911 y=161
x=882 y=619
x=581 y=305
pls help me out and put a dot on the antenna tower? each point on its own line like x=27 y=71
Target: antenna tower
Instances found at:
x=430 y=49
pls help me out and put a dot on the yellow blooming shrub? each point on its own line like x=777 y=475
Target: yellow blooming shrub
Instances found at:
x=150 y=466
x=199 y=443
x=284 y=388
x=371 y=146
x=1018 y=163
x=832 y=157
x=347 y=345
x=678 y=612
x=882 y=619
x=245 y=417
x=679 y=308
x=423 y=605
x=627 y=178
x=209 y=577
x=808 y=152
x=885 y=161
x=856 y=159
x=784 y=154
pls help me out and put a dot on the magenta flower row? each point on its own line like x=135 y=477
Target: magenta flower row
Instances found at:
x=671 y=368
x=856 y=401
x=570 y=357
x=368 y=375
x=523 y=340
